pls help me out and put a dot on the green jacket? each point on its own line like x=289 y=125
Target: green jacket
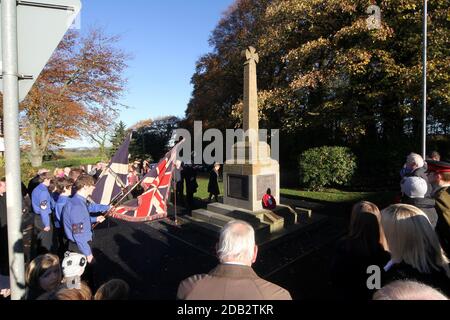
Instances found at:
x=442 y=198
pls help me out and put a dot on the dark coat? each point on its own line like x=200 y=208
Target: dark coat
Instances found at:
x=402 y=271
x=349 y=269
x=213 y=184
x=190 y=175
x=33 y=184
x=426 y=205
x=97 y=174
x=4 y=262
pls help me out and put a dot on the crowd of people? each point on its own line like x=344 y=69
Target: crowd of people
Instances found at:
x=57 y=219
x=407 y=242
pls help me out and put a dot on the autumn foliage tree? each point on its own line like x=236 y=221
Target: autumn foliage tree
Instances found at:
x=98 y=126
x=80 y=85
x=325 y=78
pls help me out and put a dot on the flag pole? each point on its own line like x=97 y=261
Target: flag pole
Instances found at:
x=175 y=196
x=108 y=213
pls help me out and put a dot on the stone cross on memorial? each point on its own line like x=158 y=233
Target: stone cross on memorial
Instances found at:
x=251 y=117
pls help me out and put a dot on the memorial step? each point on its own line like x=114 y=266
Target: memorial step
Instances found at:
x=262 y=230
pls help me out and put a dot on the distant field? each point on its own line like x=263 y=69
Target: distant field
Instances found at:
x=75 y=162
x=73 y=153
x=27 y=171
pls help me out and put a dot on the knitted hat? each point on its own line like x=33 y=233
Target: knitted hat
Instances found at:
x=414 y=187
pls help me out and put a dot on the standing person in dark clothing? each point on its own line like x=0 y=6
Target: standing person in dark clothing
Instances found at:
x=213 y=185
x=97 y=171
x=414 y=190
x=178 y=177
x=190 y=175
x=4 y=260
x=416 y=167
x=364 y=246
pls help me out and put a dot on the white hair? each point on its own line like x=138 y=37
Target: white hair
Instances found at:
x=415 y=159
x=408 y=290
x=237 y=242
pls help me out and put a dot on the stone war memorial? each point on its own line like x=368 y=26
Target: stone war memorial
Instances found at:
x=249 y=174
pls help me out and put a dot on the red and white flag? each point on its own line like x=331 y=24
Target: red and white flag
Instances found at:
x=152 y=204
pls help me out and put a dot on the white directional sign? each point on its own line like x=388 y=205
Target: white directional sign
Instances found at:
x=40 y=26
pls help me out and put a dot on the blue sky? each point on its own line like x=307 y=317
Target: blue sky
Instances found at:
x=166 y=38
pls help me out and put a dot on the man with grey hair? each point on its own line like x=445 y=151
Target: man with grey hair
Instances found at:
x=233 y=278
x=416 y=167
x=408 y=290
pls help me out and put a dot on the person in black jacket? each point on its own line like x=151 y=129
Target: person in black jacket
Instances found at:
x=213 y=184
x=364 y=246
x=414 y=190
x=416 y=253
x=190 y=175
x=4 y=259
x=35 y=181
x=416 y=167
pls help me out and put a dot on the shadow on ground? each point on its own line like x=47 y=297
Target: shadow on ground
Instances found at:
x=153 y=258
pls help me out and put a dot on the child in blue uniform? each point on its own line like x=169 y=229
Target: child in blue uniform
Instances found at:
x=64 y=189
x=43 y=205
x=77 y=220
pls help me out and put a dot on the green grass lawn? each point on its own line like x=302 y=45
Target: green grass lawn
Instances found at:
x=338 y=196
x=72 y=162
x=28 y=172
x=202 y=191
x=383 y=198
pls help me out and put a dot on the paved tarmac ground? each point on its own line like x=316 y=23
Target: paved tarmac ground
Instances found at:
x=154 y=257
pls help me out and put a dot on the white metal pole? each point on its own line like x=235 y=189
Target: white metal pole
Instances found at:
x=425 y=58
x=12 y=149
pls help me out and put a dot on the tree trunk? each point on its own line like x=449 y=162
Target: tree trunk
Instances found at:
x=102 y=150
x=36 y=153
x=36 y=157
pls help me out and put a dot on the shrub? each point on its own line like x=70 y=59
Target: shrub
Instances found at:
x=327 y=166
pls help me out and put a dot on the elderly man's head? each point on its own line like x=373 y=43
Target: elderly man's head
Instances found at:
x=237 y=244
x=414 y=161
x=408 y=290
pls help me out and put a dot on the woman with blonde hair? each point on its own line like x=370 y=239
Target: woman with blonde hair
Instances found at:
x=364 y=246
x=416 y=253
x=43 y=275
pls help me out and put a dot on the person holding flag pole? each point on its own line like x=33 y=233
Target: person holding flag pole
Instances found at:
x=152 y=204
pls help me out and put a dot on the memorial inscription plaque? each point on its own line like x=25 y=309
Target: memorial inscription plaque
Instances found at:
x=238 y=187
